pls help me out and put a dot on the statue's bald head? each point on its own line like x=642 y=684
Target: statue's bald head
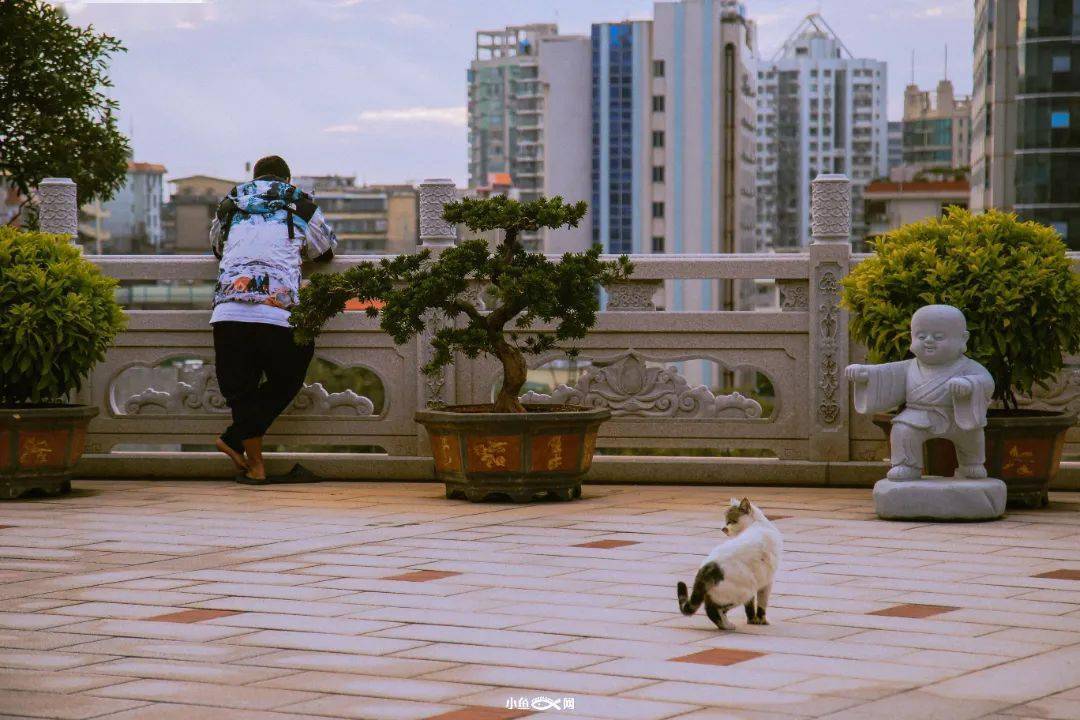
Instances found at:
x=940 y=315
x=938 y=334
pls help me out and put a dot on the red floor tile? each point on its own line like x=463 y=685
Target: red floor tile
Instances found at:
x=719 y=656
x=422 y=575
x=607 y=544
x=192 y=616
x=914 y=610
x=1060 y=575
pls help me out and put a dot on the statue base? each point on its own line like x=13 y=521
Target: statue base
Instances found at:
x=938 y=498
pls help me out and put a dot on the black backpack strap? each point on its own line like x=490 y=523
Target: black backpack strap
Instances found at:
x=226 y=210
x=289 y=222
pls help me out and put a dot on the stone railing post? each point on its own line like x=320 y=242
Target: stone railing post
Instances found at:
x=436 y=235
x=830 y=257
x=58 y=208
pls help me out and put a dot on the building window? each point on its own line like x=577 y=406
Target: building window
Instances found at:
x=658 y=244
x=658 y=173
x=1059 y=119
x=658 y=209
x=658 y=68
x=658 y=139
x=658 y=103
x=1061 y=63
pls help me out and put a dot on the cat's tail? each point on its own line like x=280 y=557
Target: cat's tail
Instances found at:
x=708 y=575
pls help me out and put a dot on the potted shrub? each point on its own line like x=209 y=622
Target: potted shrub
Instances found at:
x=1013 y=282
x=504 y=447
x=59 y=318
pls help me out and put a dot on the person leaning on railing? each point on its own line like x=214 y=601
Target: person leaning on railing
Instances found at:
x=262 y=231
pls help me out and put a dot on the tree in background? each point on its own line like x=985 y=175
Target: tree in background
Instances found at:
x=55 y=118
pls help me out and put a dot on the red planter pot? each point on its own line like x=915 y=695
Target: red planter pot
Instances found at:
x=522 y=456
x=39 y=447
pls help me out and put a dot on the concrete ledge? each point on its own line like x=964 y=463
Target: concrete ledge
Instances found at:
x=606 y=469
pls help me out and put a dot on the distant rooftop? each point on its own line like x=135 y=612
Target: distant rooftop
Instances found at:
x=807 y=39
x=145 y=167
x=512 y=41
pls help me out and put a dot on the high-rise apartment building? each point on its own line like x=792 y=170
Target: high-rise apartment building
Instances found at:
x=529 y=94
x=937 y=131
x=819 y=110
x=1026 y=112
x=672 y=138
x=132 y=218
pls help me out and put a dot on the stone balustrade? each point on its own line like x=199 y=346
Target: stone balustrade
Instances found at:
x=156 y=387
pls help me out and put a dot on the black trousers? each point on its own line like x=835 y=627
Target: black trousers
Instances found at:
x=243 y=354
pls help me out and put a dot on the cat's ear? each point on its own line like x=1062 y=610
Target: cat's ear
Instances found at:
x=745 y=505
x=734 y=502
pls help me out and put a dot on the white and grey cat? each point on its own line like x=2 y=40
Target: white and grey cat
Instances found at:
x=739 y=571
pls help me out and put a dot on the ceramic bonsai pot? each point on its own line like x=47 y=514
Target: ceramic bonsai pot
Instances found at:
x=523 y=456
x=39 y=447
x=1023 y=448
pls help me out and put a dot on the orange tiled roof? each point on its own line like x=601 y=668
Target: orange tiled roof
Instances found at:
x=146 y=167
x=355 y=304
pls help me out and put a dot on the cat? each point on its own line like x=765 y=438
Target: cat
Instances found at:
x=739 y=571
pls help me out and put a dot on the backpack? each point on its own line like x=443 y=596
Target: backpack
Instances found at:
x=305 y=207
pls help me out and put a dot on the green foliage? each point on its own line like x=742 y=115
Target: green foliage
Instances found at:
x=1011 y=279
x=55 y=119
x=59 y=317
x=524 y=288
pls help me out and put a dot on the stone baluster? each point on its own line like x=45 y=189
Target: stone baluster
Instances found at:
x=58 y=208
x=436 y=235
x=830 y=257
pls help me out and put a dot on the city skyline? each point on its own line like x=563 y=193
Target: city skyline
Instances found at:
x=343 y=106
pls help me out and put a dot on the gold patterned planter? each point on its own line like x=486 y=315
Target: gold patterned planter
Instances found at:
x=39 y=446
x=544 y=452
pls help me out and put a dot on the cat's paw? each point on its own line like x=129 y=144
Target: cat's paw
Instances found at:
x=760 y=620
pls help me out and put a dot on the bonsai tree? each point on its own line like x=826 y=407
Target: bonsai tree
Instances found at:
x=59 y=317
x=1011 y=279
x=522 y=288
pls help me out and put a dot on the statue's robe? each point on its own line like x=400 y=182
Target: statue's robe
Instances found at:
x=929 y=406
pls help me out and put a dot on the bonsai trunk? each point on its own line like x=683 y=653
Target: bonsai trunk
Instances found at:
x=515 y=372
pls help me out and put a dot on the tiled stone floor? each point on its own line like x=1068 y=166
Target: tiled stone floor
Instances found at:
x=189 y=601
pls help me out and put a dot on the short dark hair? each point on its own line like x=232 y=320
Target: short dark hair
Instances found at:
x=272 y=165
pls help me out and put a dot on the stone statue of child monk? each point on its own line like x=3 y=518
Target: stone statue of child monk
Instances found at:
x=945 y=394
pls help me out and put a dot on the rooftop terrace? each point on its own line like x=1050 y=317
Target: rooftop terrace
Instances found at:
x=160 y=600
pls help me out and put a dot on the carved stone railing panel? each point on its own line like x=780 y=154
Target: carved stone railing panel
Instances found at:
x=630 y=387
x=194 y=390
x=1062 y=394
x=794 y=295
x=632 y=295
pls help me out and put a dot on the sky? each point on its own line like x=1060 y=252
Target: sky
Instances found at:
x=377 y=88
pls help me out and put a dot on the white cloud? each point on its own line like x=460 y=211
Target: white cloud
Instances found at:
x=448 y=116
x=410 y=20
x=943 y=12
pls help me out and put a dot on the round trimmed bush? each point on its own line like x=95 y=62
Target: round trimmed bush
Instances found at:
x=59 y=317
x=1011 y=279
